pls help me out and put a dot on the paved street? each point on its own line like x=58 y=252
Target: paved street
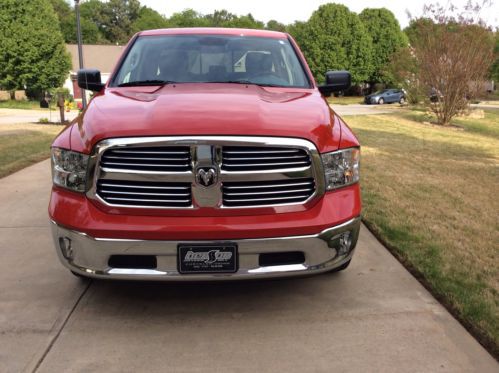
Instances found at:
x=374 y=317
x=360 y=109
x=11 y=116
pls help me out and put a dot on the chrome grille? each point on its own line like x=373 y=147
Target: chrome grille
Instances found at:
x=252 y=158
x=144 y=193
x=158 y=158
x=165 y=172
x=242 y=194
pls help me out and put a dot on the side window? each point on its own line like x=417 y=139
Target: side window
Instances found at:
x=129 y=67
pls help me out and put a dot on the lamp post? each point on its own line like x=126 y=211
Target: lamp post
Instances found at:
x=80 y=49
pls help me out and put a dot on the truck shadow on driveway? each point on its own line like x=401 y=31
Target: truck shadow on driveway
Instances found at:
x=238 y=298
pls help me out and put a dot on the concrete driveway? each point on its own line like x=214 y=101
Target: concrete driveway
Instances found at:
x=374 y=317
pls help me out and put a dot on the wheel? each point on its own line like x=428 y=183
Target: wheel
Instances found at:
x=342 y=267
x=381 y=101
x=402 y=101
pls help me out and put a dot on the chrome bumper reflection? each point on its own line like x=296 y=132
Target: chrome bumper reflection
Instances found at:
x=89 y=256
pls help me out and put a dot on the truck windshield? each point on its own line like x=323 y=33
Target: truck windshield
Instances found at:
x=163 y=59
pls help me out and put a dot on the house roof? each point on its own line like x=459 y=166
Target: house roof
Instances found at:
x=101 y=57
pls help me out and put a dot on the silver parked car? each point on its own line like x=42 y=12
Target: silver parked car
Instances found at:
x=386 y=96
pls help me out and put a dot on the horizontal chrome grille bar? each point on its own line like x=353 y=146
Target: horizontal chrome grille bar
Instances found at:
x=267 y=199
x=258 y=151
x=263 y=158
x=150 y=152
x=105 y=191
x=145 y=194
x=277 y=164
x=271 y=192
x=252 y=158
x=148 y=200
x=247 y=194
x=156 y=158
x=107 y=164
x=291 y=184
x=142 y=186
x=147 y=158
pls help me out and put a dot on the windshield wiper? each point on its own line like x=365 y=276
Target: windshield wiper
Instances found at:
x=138 y=83
x=243 y=81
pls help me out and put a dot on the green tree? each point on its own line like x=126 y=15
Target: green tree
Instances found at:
x=188 y=18
x=94 y=21
x=118 y=18
x=335 y=38
x=220 y=18
x=387 y=38
x=275 y=26
x=247 y=21
x=403 y=71
x=494 y=71
x=223 y=18
x=32 y=51
x=67 y=21
x=149 y=19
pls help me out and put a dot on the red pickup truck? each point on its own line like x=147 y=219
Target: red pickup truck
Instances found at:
x=209 y=154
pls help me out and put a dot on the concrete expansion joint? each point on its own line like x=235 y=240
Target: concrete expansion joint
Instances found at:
x=63 y=325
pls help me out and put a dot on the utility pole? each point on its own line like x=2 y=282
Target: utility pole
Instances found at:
x=80 y=49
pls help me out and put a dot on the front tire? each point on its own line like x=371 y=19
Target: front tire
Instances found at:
x=80 y=277
x=342 y=267
x=381 y=101
x=402 y=101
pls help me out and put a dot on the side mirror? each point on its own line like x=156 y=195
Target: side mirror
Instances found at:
x=90 y=79
x=336 y=81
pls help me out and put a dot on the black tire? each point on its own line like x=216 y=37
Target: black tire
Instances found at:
x=342 y=267
x=381 y=101
x=402 y=101
x=81 y=277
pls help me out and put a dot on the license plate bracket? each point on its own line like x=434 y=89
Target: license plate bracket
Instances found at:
x=207 y=258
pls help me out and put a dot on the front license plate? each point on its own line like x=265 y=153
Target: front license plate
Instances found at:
x=207 y=258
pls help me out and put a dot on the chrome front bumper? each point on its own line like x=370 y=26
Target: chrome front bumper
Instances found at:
x=89 y=256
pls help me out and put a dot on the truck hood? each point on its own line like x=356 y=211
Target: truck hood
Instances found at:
x=207 y=109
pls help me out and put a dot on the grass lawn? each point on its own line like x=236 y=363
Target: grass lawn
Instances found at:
x=431 y=194
x=346 y=100
x=29 y=105
x=24 y=144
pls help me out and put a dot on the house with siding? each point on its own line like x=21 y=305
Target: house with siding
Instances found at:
x=100 y=57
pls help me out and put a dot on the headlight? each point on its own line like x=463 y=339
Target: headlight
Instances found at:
x=341 y=168
x=69 y=169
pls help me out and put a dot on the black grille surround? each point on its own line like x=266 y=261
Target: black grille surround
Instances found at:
x=159 y=158
x=256 y=193
x=252 y=158
x=145 y=193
